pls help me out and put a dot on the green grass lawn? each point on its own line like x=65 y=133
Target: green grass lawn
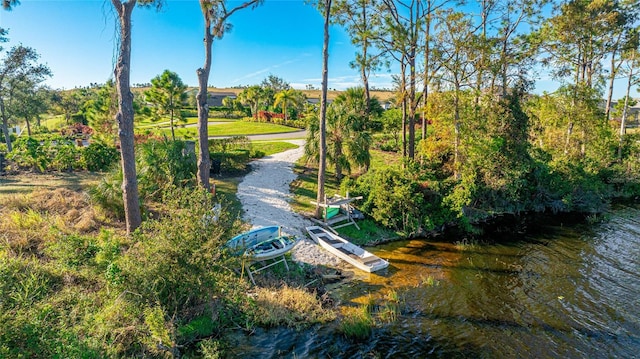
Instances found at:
x=164 y=122
x=236 y=129
x=269 y=148
x=53 y=122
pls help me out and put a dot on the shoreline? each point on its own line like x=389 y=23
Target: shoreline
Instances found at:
x=264 y=194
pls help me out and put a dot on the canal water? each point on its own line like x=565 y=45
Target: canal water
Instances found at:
x=557 y=290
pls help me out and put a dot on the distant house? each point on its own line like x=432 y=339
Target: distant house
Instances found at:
x=214 y=99
x=316 y=101
x=17 y=130
x=633 y=113
x=386 y=105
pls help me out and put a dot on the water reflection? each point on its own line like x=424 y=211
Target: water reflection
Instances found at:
x=564 y=291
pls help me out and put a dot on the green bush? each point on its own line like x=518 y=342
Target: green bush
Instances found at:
x=162 y=164
x=232 y=162
x=107 y=194
x=397 y=199
x=98 y=157
x=232 y=153
x=63 y=153
x=29 y=153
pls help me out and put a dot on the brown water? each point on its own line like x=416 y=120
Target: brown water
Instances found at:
x=562 y=291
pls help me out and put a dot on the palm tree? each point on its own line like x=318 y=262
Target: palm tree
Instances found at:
x=286 y=98
x=347 y=137
x=252 y=96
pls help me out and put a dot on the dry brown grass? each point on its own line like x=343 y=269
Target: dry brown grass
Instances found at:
x=292 y=307
x=27 y=221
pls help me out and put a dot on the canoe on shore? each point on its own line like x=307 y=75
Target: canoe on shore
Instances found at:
x=346 y=250
x=261 y=243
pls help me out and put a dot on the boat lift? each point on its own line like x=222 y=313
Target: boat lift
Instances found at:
x=338 y=212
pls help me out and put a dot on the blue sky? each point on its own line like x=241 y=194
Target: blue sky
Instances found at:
x=76 y=39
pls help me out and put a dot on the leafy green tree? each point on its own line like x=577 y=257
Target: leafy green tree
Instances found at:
x=403 y=33
x=100 y=109
x=68 y=102
x=272 y=85
x=363 y=23
x=275 y=83
x=392 y=123
x=579 y=37
x=30 y=102
x=167 y=93
x=459 y=56
x=229 y=105
x=19 y=72
x=215 y=13
x=632 y=60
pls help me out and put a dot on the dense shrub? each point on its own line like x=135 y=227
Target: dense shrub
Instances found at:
x=163 y=164
x=232 y=162
x=29 y=153
x=231 y=153
x=399 y=200
x=160 y=165
x=107 y=194
x=98 y=157
x=61 y=154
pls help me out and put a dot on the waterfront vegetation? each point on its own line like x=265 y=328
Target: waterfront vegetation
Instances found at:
x=74 y=284
x=84 y=275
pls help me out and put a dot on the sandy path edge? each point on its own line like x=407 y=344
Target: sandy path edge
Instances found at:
x=264 y=195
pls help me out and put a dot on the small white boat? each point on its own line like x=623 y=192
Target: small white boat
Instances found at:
x=261 y=243
x=346 y=250
x=271 y=248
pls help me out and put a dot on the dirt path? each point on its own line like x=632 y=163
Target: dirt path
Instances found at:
x=264 y=194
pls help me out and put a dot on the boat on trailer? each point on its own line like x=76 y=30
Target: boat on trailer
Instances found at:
x=346 y=250
x=260 y=245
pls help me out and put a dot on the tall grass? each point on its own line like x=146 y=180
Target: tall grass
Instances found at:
x=292 y=307
x=357 y=323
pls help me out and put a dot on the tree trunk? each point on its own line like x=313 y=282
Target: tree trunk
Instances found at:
x=412 y=105
x=427 y=54
x=612 y=79
x=173 y=132
x=26 y=119
x=403 y=89
x=568 y=138
x=337 y=154
x=5 y=126
x=456 y=129
x=204 y=163
x=322 y=165
x=124 y=117
x=623 y=121
x=284 y=109
x=363 y=66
